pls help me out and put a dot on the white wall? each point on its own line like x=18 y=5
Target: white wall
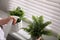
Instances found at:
x=3 y=14
x=4 y=4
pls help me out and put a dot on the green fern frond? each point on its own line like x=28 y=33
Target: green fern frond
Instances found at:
x=35 y=19
x=58 y=36
x=47 y=23
x=41 y=19
x=46 y=32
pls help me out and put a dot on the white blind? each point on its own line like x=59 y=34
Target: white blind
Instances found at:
x=50 y=10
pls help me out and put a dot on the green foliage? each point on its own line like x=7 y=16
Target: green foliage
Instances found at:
x=58 y=37
x=37 y=27
x=17 y=12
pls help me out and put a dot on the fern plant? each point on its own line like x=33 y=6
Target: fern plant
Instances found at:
x=58 y=36
x=37 y=27
x=17 y=12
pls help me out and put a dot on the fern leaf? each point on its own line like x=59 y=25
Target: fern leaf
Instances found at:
x=41 y=19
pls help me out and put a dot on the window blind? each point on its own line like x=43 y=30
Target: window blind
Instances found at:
x=50 y=10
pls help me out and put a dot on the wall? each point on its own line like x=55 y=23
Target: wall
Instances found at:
x=3 y=14
x=4 y=4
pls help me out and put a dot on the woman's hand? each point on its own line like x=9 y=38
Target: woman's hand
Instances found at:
x=6 y=20
x=14 y=20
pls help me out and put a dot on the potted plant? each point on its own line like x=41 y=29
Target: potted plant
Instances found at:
x=18 y=12
x=37 y=28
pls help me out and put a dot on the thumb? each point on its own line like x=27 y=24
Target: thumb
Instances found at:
x=14 y=21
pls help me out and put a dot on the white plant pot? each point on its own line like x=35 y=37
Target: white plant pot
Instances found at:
x=16 y=27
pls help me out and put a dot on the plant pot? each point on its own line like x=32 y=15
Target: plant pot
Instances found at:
x=34 y=38
x=16 y=27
